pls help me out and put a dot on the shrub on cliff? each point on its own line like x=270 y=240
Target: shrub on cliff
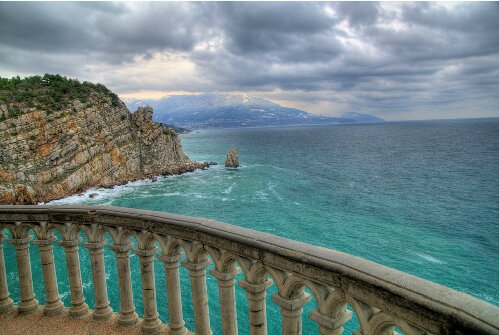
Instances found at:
x=50 y=92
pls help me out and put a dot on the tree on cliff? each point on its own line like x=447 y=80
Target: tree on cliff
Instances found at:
x=50 y=92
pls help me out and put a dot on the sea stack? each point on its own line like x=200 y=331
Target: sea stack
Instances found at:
x=232 y=161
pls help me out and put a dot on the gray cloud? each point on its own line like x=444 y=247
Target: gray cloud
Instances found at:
x=111 y=32
x=257 y=28
x=358 y=13
x=394 y=60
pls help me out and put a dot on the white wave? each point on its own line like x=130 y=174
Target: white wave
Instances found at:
x=272 y=188
x=200 y=196
x=261 y=195
x=278 y=168
x=105 y=196
x=154 y=195
x=429 y=258
x=86 y=285
x=101 y=193
x=229 y=189
x=171 y=194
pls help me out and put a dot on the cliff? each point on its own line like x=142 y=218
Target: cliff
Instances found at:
x=59 y=141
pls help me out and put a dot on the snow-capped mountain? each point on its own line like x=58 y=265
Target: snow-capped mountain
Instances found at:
x=213 y=110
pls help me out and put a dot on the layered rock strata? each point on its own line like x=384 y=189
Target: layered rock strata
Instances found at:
x=49 y=155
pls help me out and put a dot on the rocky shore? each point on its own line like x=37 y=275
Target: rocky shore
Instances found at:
x=47 y=155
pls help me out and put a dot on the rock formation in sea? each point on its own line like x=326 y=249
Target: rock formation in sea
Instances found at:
x=232 y=160
x=60 y=137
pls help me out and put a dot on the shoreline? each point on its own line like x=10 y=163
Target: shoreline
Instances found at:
x=190 y=167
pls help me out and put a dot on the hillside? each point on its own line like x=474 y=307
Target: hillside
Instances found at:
x=362 y=118
x=215 y=110
x=59 y=136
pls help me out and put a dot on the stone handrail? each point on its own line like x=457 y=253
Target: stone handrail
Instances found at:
x=382 y=298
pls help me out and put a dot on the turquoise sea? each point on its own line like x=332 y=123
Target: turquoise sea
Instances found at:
x=421 y=197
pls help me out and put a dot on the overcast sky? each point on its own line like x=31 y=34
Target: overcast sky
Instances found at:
x=395 y=60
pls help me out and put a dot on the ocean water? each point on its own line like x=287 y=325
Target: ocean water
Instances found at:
x=421 y=197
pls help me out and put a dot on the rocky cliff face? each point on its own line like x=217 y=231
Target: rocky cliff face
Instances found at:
x=46 y=155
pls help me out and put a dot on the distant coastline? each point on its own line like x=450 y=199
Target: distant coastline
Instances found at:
x=216 y=110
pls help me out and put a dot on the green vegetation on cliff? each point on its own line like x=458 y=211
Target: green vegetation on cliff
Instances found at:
x=50 y=93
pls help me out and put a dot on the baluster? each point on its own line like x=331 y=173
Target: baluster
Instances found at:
x=70 y=243
x=102 y=309
x=6 y=302
x=171 y=263
x=151 y=324
x=331 y=313
x=291 y=312
x=197 y=275
x=257 y=306
x=53 y=303
x=364 y=313
x=20 y=240
x=331 y=325
x=226 y=281
x=128 y=316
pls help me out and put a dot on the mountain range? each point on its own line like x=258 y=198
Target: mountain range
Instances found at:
x=215 y=110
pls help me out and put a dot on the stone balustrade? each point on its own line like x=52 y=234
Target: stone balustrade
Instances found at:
x=381 y=298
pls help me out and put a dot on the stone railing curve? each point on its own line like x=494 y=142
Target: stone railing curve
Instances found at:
x=382 y=298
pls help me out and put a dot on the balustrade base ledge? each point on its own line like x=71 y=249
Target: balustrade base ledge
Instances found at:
x=128 y=319
x=6 y=305
x=159 y=329
x=102 y=314
x=178 y=330
x=53 y=309
x=110 y=325
x=80 y=311
x=28 y=308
